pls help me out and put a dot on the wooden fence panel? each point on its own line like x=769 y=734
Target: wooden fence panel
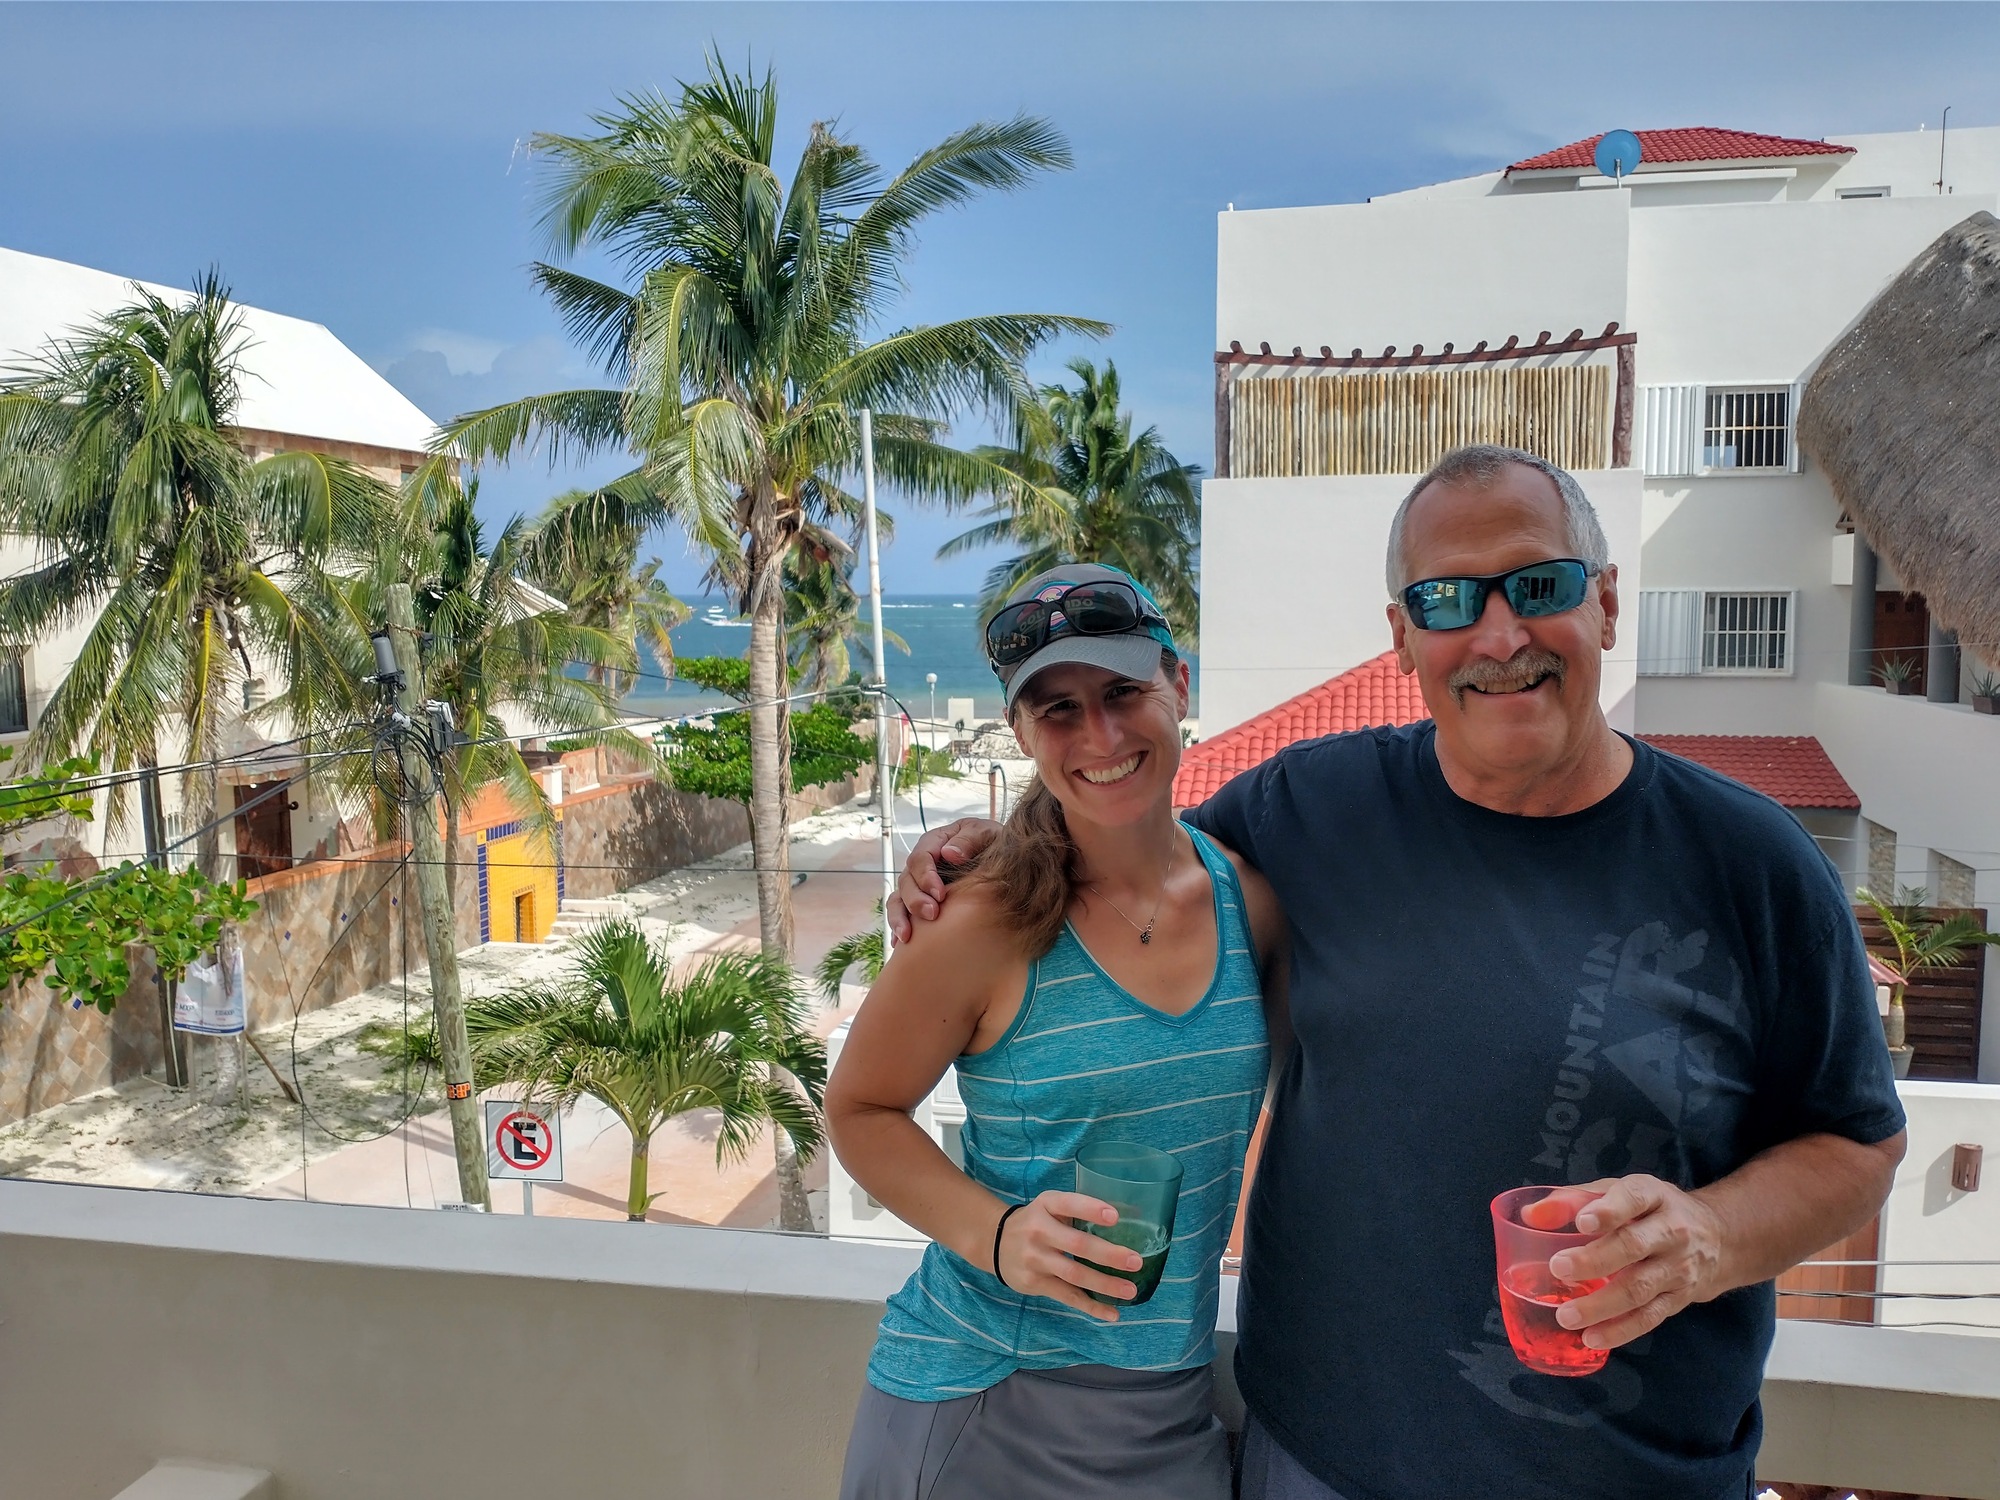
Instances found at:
x=1941 y=1006
x=1404 y=421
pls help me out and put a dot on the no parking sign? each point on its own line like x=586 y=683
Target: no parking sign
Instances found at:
x=522 y=1142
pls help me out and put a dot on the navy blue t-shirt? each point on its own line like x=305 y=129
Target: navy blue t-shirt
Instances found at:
x=1669 y=982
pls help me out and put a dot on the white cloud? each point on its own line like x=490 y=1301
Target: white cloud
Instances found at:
x=464 y=353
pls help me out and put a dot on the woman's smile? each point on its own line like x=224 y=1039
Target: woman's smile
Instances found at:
x=1113 y=774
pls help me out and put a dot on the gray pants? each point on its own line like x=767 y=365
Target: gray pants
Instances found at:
x=1267 y=1472
x=1088 y=1432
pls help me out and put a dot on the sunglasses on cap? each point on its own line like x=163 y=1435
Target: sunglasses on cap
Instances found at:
x=1020 y=630
x=1543 y=588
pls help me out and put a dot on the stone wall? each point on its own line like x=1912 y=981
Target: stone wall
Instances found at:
x=630 y=829
x=51 y=1051
x=327 y=930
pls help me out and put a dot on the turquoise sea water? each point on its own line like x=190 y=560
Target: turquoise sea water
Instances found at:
x=941 y=630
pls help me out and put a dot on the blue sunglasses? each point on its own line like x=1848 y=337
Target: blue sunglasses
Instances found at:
x=1543 y=588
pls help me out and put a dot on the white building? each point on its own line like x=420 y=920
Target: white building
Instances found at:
x=1662 y=329
x=304 y=391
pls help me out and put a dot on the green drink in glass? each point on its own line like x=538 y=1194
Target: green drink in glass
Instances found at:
x=1144 y=1185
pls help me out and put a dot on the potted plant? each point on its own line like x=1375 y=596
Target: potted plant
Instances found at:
x=1986 y=694
x=1934 y=943
x=1898 y=674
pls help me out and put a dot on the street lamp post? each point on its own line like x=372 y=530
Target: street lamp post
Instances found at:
x=931 y=679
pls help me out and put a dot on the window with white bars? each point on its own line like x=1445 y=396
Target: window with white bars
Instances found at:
x=1747 y=429
x=1690 y=430
x=1692 y=632
x=1746 y=633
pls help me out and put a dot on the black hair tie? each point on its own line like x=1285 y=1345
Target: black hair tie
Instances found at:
x=998 y=1230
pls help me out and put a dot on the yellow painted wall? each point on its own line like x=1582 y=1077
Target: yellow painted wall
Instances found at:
x=516 y=864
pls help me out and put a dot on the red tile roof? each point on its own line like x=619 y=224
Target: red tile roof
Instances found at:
x=1791 y=769
x=1698 y=143
x=1372 y=693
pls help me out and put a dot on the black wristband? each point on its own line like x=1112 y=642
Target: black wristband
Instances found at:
x=998 y=1230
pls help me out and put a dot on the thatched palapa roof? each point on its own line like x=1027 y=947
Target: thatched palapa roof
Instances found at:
x=1904 y=415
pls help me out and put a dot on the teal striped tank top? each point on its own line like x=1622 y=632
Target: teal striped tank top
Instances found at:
x=1086 y=1060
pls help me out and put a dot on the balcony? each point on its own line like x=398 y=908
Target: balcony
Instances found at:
x=377 y=1354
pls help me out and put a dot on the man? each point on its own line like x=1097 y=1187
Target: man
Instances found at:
x=1530 y=950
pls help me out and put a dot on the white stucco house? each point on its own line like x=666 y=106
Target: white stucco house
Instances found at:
x=1652 y=334
x=305 y=391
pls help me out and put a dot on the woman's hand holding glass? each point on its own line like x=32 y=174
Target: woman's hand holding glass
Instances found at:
x=1040 y=1245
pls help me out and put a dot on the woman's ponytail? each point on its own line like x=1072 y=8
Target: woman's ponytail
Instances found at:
x=1031 y=867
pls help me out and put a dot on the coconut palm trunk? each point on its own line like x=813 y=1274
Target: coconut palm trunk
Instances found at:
x=770 y=836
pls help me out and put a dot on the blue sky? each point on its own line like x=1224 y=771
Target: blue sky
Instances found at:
x=360 y=164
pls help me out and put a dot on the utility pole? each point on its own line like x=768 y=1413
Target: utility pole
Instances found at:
x=885 y=796
x=434 y=900
x=173 y=1044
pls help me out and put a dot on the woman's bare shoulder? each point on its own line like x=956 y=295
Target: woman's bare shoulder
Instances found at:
x=973 y=920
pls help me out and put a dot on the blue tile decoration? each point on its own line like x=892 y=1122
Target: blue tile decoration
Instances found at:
x=485 y=910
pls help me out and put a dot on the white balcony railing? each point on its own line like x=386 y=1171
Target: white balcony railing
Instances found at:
x=375 y=1354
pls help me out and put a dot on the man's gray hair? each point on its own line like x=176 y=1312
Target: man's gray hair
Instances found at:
x=1480 y=464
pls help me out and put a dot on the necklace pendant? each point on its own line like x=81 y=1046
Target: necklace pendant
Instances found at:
x=1146 y=933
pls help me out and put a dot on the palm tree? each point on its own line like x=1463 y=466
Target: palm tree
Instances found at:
x=863 y=948
x=1934 y=944
x=191 y=561
x=743 y=355
x=1093 y=492
x=584 y=548
x=506 y=656
x=823 y=620
x=621 y=1030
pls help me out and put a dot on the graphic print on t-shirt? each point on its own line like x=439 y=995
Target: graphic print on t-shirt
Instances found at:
x=1648 y=1054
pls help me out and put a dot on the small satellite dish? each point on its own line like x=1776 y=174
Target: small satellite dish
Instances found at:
x=1618 y=154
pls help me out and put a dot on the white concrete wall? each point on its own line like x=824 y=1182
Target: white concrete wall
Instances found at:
x=1906 y=162
x=1756 y=292
x=1926 y=770
x=1779 y=535
x=1293 y=591
x=1927 y=1219
x=378 y=1354
x=1419 y=272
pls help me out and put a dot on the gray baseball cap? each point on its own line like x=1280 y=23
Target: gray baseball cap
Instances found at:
x=1134 y=653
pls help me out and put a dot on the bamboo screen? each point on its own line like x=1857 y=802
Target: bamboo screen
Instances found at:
x=1404 y=421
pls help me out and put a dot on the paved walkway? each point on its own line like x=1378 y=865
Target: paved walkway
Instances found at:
x=698 y=911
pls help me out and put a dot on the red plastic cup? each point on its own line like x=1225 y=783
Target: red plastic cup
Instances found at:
x=1530 y=1293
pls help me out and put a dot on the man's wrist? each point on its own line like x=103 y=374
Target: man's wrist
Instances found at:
x=1721 y=1269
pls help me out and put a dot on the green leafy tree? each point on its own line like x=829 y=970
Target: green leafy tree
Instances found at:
x=120 y=465
x=714 y=760
x=1093 y=491
x=620 y=1028
x=1921 y=943
x=743 y=349
x=73 y=934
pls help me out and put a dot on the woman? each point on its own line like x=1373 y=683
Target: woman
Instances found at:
x=1095 y=978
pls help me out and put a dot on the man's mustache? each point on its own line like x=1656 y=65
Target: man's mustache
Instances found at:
x=1528 y=665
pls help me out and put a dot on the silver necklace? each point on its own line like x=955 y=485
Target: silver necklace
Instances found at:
x=1146 y=932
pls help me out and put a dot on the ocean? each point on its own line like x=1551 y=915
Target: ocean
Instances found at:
x=941 y=630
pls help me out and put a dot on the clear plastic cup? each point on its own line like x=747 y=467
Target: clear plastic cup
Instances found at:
x=1530 y=1293
x=1144 y=1185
